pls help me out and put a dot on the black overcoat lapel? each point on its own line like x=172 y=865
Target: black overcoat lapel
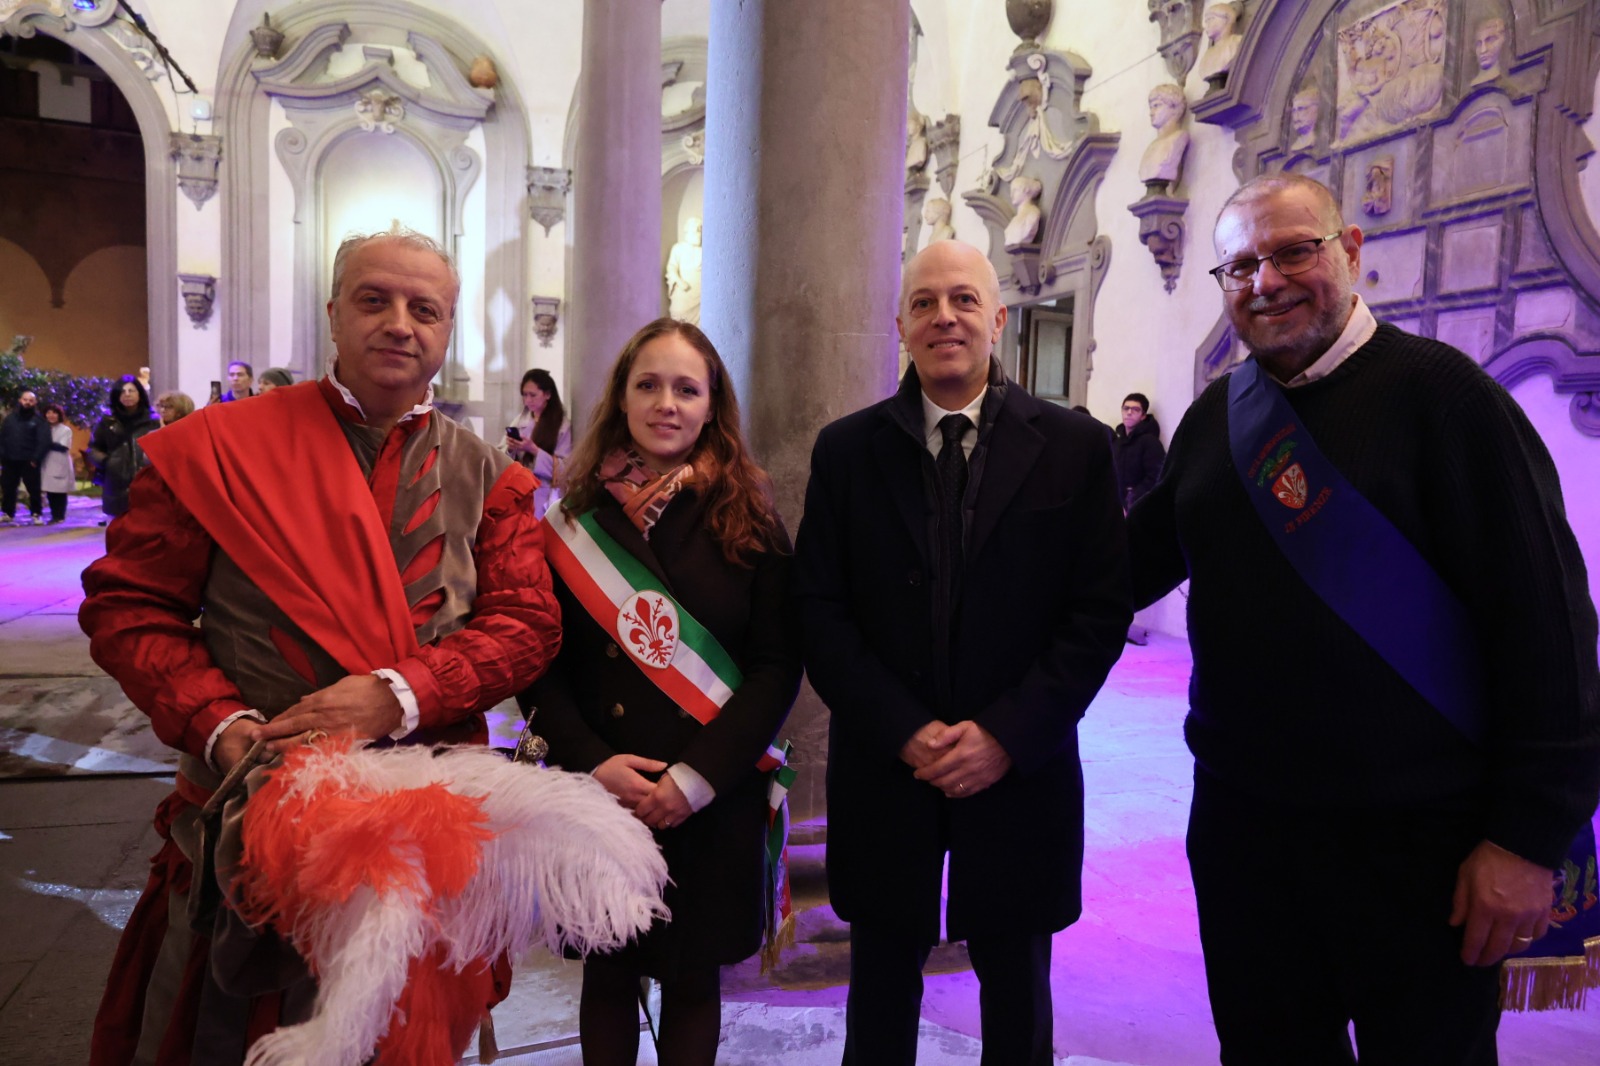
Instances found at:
x=1013 y=447
x=611 y=519
x=899 y=459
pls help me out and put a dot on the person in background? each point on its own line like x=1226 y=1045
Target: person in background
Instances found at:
x=272 y=377
x=171 y=406
x=543 y=437
x=1137 y=450
x=24 y=442
x=663 y=482
x=56 y=476
x=240 y=377
x=114 y=448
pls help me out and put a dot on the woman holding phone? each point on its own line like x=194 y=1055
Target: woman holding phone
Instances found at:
x=541 y=438
x=662 y=496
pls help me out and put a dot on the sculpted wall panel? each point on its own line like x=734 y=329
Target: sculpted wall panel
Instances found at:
x=1399 y=188
x=1392 y=267
x=1471 y=330
x=1546 y=309
x=1471 y=255
x=1391 y=69
x=1489 y=148
x=1533 y=251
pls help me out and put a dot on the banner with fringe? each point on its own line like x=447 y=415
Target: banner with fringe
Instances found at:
x=1557 y=971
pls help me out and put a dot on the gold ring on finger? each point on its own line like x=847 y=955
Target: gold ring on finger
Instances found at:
x=312 y=736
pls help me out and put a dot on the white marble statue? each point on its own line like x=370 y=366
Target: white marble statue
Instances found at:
x=1488 y=40
x=1303 y=113
x=936 y=213
x=1162 y=162
x=1221 y=25
x=916 y=141
x=1024 y=225
x=683 y=274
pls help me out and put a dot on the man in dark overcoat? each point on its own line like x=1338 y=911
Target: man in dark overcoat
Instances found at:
x=963 y=584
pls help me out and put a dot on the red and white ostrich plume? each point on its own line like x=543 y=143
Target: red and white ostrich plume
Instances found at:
x=393 y=871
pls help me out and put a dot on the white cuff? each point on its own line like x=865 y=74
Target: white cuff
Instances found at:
x=211 y=741
x=696 y=789
x=410 y=712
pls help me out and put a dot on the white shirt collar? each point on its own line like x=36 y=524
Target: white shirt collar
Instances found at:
x=350 y=398
x=932 y=413
x=1357 y=331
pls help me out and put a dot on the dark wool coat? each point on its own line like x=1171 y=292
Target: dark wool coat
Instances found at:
x=1138 y=456
x=114 y=448
x=24 y=440
x=1043 y=608
x=596 y=702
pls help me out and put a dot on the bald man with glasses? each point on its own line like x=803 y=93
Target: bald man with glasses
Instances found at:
x=1395 y=707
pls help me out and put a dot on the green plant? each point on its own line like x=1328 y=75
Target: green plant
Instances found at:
x=82 y=398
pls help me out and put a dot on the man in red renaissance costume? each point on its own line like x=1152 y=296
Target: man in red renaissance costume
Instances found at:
x=361 y=567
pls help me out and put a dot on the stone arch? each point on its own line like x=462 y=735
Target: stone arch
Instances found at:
x=88 y=32
x=244 y=117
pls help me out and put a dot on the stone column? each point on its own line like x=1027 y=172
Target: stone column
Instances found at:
x=805 y=177
x=616 y=177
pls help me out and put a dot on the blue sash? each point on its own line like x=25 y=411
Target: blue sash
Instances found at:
x=1351 y=556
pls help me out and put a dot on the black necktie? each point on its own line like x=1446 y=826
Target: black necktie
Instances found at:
x=952 y=468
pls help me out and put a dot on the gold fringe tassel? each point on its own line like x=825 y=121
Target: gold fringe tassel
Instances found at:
x=488 y=1047
x=1551 y=984
x=772 y=951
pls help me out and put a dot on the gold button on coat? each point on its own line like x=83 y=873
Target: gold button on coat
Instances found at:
x=616 y=710
x=612 y=651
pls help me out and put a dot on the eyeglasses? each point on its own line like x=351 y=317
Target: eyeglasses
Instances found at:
x=1291 y=259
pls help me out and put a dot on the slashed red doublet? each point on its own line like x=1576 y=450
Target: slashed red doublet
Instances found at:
x=310 y=546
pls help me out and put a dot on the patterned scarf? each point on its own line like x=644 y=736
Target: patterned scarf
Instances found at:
x=643 y=493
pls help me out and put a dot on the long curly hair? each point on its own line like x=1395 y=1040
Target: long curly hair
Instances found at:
x=739 y=510
x=139 y=413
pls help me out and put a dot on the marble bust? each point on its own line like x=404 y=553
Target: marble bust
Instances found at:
x=936 y=213
x=1488 y=40
x=683 y=274
x=1220 y=23
x=1161 y=166
x=1304 y=110
x=1024 y=225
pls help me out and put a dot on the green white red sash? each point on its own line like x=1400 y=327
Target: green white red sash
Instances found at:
x=673 y=650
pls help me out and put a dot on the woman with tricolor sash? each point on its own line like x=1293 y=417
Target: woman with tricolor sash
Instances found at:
x=679 y=663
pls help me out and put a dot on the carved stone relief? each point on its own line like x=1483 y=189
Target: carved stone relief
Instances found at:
x=1391 y=69
x=199 y=292
x=1488 y=41
x=944 y=140
x=546 y=312
x=197 y=157
x=1453 y=137
x=1179 y=21
x=1378 y=195
x=547 y=195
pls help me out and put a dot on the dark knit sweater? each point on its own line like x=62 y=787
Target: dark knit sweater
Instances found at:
x=1288 y=704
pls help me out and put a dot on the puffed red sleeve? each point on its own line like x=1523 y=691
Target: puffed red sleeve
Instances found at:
x=515 y=628
x=141 y=600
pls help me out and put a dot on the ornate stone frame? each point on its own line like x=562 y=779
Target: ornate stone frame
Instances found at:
x=1555 y=59
x=1072 y=256
x=84 y=31
x=244 y=116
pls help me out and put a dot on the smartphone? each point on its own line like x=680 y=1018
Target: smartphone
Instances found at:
x=513 y=432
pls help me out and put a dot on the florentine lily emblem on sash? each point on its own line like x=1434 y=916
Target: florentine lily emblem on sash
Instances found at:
x=1290 y=488
x=648 y=627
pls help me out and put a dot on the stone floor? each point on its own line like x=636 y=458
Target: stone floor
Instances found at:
x=80 y=776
